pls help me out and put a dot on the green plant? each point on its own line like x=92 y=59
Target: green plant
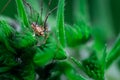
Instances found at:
x=27 y=56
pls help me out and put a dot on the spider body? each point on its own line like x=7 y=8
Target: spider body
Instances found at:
x=39 y=30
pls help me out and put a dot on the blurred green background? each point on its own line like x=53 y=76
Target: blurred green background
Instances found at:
x=103 y=16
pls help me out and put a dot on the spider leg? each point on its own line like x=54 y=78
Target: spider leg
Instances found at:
x=30 y=7
x=5 y=6
x=48 y=16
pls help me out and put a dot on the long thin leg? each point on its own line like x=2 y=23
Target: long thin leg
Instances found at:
x=49 y=3
x=5 y=6
x=41 y=5
x=48 y=16
x=45 y=38
x=28 y=6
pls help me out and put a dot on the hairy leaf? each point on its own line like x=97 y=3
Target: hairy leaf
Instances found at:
x=22 y=14
x=114 y=52
x=60 y=22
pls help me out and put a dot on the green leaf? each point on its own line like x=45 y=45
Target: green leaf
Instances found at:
x=6 y=57
x=45 y=53
x=23 y=40
x=103 y=59
x=60 y=22
x=4 y=69
x=93 y=67
x=28 y=72
x=42 y=58
x=77 y=34
x=78 y=63
x=114 y=52
x=60 y=53
x=21 y=12
x=49 y=51
x=69 y=71
x=6 y=32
